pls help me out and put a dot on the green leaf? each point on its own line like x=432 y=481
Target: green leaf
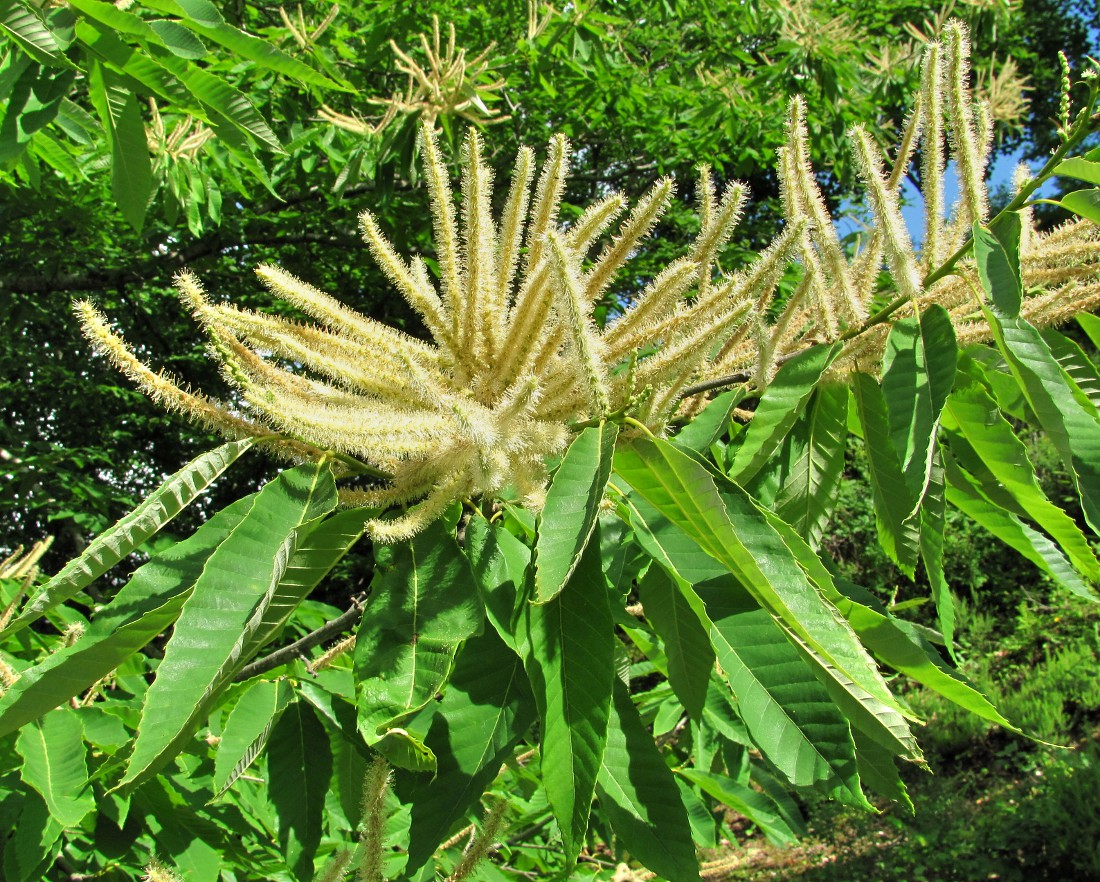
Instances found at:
x=572 y=506
x=690 y=657
x=54 y=764
x=1083 y=203
x=779 y=408
x=808 y=495
x=23 y=25
x=224 y=99
x=638 y=794
x=708 y=425
x=1090 y=324
x=131 y=169
x=973 y=414
x=933 y=522
x=753 y=805
x=107 y=549
x=894 y=505
x=731 y=529
x=568 y=650
x=1080 y=168
x=878 y=771
x=177 y=39
x=116 y=19
x=1051 y=393
x=499 y=562
x=30 y=849
x=263 y=52
x=318 y=548
x=299 y=767
x=485 y=710
x=1077 y=366
x=423 y=605
x=965 y=493
x=224 y=611
x=247 y=730
x=999 y=270
x=917 y=376
x=787 y=712
x=142 y=609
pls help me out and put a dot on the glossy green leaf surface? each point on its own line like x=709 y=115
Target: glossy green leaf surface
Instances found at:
x=247 y=730
x=568 y=650
x=780 y=406
x=55 y=764
x=299 y=766
x=423 y=605
x=638 y=792
x=107 y=549
x=143 y=608
x=572 y=506
x=224 y=610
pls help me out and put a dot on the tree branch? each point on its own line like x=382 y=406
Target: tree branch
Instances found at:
x=314 y=638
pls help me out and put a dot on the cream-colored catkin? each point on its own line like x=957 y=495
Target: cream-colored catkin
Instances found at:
x=376 y=784
x=967 y=138
x=932 y=157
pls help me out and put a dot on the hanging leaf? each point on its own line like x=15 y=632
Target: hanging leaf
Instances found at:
x=808 y=496
x=55 y=764
x=107 y=549
x=690 y=657
x=933 y=522
x=568 y=650
x=779 y=408
x=572 y=505
x=131 y=169
x=638 y=794
x=423 y=605
x=225 y=609
x=33 y=844
x=894 y=506
x=23 y=25
x=754 y=806
x=247 y=730
x=1072 y=427
x=299 y=768
x=145 y=607
x=484 y=712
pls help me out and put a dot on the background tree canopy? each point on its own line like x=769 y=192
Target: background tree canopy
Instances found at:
x=136 y=142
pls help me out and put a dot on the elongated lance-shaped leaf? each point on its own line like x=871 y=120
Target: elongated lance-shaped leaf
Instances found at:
x=734 y=531
x=299 y=768
x=638 y=794
x=690 y=657
x=933 y=522
x=780 y=406
x=917 y=375
x=572 y=506
x=808 y=495
x=753 y=805
x=423 y=605
x=895 y=642
x=187 y=839
x=144 y=607
x=499 y=562
x=898 y=530
x=786 y=710
x=317 y=550
x=24 y=26
x=1077 y=365
x=131 y=169
x=568 y=650
x=107 y=549
x=247 y=730
x=965 y=493
x=879 y=772
x=32 y=847
x=991 y=446
x=1053 y=396
x=1090 y=324
x=484 y=712
x=236 y=584
x=54 y=764
x=708 y=426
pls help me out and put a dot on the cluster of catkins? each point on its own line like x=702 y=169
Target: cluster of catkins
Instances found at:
x=515 y=361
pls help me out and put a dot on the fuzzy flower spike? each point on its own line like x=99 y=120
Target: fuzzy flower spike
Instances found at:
x=515 y=363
